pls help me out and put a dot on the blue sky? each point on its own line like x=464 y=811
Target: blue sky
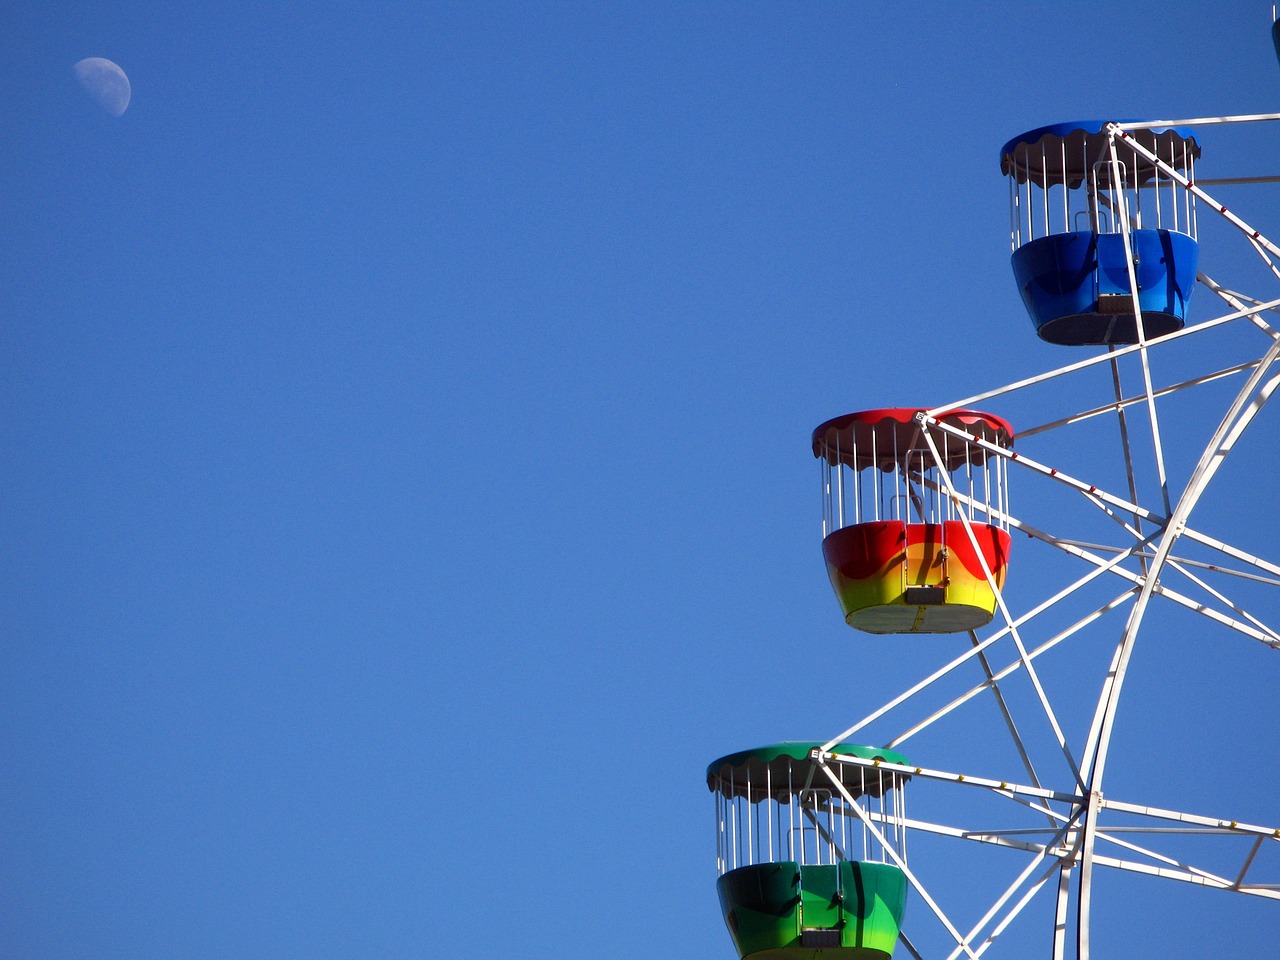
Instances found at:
x=406 y=471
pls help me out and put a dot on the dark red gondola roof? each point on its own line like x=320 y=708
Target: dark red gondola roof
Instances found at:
x=895 y=431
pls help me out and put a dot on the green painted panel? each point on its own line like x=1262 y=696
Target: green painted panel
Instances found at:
x=820 y=904
x=761 y=906
x=767 y=906
x=875 y=899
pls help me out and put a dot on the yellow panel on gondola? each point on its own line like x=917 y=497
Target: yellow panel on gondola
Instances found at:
x=894 y=577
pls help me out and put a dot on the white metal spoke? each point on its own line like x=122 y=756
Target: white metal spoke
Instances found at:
x=1187 y=331
x=1239 y=416
x=1130 y=401
x=1238 y=301
x=1006 y=786
x=1198 y=192
x=994 y=684
x=1221 y=598
x=1262 y=254
x=1109 y=507
x=1109 y=836
x=1017 y=908
x=1143 y=353
x=1176 y=559
x=1008 y=670
x=897 y=858
x=1117 y=502
x=1005 y=897
x=1170 y=873
x=1008 y=619
x=911 y=949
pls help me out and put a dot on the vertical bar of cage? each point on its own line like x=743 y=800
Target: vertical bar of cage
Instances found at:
x=996 y=479
x=1160 y=220
x=897 y=812
x=902 y=807
x=939 y=509
x=719 y=862
x=880 y=809
x=875 y=805
x=1014 y=238
x=719 y=821
x=999 y=479
x=1005 y=492
x=968 y=474
x=1173 y=195
x=724 y=831
x=857 y=480
x=866 y=837
x=1089 y=195
x=824 y=835
x=820 y=834
x=1137 y=192
x=991 y=479
x=1044 y=184
x=889 y=800
x=986 y=484
x=1097 y=204
x=997 y=486
x=937 y=503
x=887 y=811
x=895 y=783
x=1031 y=233
x=817 y=849
x=733 y=818
x=768 y=786
x=1066 y=206
x=795 y=821
x=844 y=824
x=832 y=845
x=755 y=820
x=1092 y=190
x=791 y=817
x=896 y=502
x=839 y=506
x=844 y=828
x=777 y=824
x=818 y=841
x=824 y=480
x=875 y=476
x=946 y=458
x=740 y=821
x=1186 y=193
x=1194 y=204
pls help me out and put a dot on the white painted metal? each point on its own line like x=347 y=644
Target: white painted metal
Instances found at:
x=1060 y=821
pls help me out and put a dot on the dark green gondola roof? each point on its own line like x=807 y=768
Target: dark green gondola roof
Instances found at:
x=784 y=767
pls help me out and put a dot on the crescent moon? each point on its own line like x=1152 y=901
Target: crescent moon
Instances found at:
x=105 y=82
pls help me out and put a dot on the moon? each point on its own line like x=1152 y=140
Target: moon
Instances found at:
x=105 y=82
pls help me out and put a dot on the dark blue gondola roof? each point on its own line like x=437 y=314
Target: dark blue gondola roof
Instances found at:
x=1085 y=143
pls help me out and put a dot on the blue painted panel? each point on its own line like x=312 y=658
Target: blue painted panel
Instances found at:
x=1061 y=276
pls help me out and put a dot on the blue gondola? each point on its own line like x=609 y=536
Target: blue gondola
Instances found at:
x=1071 y=205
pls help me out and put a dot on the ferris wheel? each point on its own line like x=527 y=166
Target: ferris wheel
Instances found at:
x=1039 y=535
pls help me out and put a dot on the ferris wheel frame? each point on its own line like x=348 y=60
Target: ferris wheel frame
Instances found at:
x=1076 y=816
